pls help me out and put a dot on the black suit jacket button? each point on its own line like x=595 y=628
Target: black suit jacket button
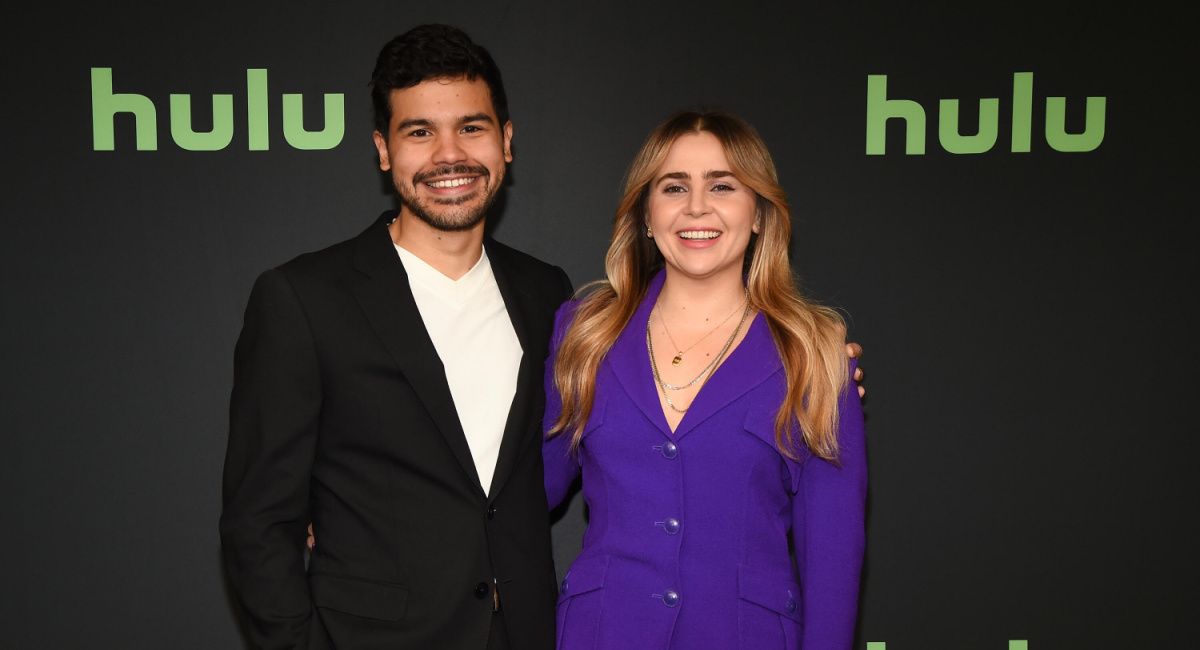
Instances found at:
x=491 y=512
x=481 y=590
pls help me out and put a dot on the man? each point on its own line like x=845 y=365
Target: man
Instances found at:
x=388 y=389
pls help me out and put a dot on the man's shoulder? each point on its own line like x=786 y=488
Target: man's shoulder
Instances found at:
x=328 y=262
x=528 y=268
x=320 y=261
x=517 y=260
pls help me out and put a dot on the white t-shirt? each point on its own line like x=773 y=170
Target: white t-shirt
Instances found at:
x=478 y=346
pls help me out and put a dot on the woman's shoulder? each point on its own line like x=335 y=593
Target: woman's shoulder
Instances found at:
x=563 y=317
x=570 y=308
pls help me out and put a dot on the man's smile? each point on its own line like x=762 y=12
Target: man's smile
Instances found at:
x=451 y=182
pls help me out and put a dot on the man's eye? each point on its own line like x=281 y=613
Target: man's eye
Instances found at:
x=418 y=133
x=471 y=128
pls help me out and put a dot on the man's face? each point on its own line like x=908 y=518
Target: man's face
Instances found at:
x=446 y=151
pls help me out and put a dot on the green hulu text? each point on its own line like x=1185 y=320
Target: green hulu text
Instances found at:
x=106 y=104
x=880 y=109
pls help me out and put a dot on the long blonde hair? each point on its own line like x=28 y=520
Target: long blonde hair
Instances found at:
x=810 y=338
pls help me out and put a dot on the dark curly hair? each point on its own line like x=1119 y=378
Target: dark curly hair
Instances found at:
x=429 y=52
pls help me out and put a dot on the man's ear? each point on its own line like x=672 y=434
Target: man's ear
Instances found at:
x=385 y=163
x=508 y=133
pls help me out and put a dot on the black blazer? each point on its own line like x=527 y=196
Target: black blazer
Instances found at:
x=341 y=415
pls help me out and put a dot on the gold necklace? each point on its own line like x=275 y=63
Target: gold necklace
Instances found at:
x=664 y=386
x=679 y=354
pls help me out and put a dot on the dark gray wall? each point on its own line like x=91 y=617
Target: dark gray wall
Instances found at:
x=1028 y=317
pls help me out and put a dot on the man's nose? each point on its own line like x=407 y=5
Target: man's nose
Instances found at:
x=449 y=150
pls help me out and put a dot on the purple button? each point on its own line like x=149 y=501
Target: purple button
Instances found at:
x=671 y=598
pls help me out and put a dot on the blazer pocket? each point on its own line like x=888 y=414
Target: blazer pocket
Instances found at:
x=769 y=611
x=762 y=588
x=580 y=604
x=584 y=575
x=365 y=598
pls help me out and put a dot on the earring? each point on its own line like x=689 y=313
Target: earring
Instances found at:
x=649 y=233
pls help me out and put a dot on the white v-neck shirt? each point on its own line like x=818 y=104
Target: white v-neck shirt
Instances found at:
x=474 y=337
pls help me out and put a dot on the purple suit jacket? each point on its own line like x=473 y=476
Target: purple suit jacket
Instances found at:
x=687 y=544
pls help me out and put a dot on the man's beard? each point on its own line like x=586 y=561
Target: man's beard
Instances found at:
x=452 y=217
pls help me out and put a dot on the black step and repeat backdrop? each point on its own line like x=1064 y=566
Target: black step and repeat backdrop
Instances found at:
x=1000 y=197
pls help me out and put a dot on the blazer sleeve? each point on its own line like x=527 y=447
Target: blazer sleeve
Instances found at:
x=829 y=532
x=273 y=418
x=560 y=465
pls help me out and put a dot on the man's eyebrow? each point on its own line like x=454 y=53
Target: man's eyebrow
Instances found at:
x=475 y=117
x=408 y=124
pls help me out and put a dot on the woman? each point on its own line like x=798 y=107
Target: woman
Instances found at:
x=710 y=411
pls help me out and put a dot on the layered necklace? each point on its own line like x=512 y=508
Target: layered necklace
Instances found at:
x=680 y=352
x=665 y=387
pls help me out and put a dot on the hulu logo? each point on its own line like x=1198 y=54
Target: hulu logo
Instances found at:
x=880 y=109
x=106 y=104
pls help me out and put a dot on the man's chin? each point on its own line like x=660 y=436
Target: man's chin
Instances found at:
x=456 y=221
x=451 y=214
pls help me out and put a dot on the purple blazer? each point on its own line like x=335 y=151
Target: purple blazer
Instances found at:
x=688 y=533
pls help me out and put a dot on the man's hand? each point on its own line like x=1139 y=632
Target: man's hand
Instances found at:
x=853 y=349
x=312 y=541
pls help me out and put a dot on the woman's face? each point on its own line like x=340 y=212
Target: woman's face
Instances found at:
x=700 y=214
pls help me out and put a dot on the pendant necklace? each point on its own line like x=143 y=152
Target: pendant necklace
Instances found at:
x=666 y=387
x=680 y=352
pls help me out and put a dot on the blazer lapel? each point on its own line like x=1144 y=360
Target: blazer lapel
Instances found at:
x=748 y=365
x=385 y=296
x=532 y=326
x=630 y=362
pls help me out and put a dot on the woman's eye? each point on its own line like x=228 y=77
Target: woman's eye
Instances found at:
x=674 y=189
x=722 y=187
